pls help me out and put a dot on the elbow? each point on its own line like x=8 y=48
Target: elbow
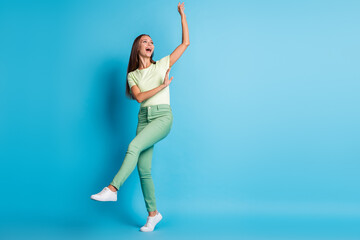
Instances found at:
x=138 y=99
x=186 y=44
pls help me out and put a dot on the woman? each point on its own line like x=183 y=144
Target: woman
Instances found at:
x=147 y=82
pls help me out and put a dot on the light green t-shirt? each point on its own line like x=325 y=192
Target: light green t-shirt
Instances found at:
x=149 y=78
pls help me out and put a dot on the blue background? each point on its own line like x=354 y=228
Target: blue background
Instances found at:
x=265 y=138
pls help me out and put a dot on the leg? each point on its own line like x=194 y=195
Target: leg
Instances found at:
x=147 y=184
x=155 y=131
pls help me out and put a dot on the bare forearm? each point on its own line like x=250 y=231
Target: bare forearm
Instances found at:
x=185 y=30
x=142 y=96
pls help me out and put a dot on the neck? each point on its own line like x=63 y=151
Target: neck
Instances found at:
x=144 y=62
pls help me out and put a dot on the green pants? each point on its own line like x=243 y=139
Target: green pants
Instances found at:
x=154 y=124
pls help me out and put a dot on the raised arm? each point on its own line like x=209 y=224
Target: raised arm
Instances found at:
x=176 y=54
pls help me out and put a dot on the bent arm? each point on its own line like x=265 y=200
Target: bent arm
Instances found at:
x=142 y=96
x=176 y=54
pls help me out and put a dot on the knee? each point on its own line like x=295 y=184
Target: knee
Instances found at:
x=144 y=171
x=133 y=148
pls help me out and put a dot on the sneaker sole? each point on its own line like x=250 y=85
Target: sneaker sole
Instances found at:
x=103 y=200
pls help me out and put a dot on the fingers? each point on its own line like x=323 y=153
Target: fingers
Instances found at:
x=181 y=6
x=167 y=81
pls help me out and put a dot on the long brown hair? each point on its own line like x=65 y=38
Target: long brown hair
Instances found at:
x=134 y=61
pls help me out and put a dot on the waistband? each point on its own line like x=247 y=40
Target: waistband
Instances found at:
x=158 y=106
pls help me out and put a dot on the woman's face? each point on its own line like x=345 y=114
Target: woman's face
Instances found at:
x=146 y=46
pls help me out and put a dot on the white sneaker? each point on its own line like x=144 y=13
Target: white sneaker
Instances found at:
x=105 y=195
x=151 y=223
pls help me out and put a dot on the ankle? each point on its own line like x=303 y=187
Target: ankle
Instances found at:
x=153 y=213
x=112 y=188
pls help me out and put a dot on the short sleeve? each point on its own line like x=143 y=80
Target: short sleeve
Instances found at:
x=164 y=63
x=131 y=81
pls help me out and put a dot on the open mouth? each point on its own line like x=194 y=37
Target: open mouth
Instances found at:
x=148 y=50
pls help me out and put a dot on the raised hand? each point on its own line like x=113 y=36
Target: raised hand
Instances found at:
x=181 y=8
x=167 y=81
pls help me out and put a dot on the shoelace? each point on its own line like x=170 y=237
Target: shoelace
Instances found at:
x=147 y=224
x=102 y=191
